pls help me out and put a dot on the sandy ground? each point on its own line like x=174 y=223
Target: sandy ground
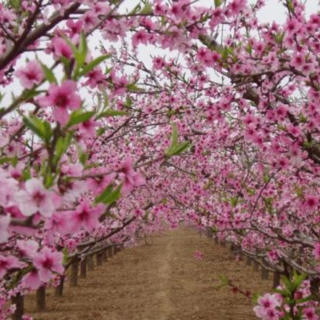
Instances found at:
x=162 y=281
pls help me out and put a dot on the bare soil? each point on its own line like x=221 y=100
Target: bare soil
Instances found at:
x=160 y=281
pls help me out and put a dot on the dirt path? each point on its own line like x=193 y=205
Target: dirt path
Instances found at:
x=161 y=281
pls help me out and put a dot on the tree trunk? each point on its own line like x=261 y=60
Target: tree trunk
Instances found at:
x=90 y=263
x=41 y=298
x=110 y=252
x=99 y=258
x=18 y=300
x=256 y=266
x=314 y=286
x=83 y=268
x=104 y=255
x=59 y=288
x=74 y=273
x=249 y=261
x=276 y=280
x=264 y=274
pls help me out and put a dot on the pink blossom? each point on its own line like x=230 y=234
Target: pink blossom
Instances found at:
x=266 y=309
x=316 y=251
x=31 y=280
x=30 y=75
x=7 y=263
x=281 y=111
x=293 y=25
x=36 y=199
x=90 y=20
x=158 y=63
x=75 y=27
x=95 y=78
x=60 y=222
x=72 y=169
x=61 y=49
x=85 y=216
x=130 y=177
x=217 y=17
x=310 y=314
x=87 y=128
x=236 y=6
x=311 y=202
x=140 y=37
x=28 y=247
x=46 y=262
x=198 y=255
x=62 y=98
x=101 y=8
x=8 y=192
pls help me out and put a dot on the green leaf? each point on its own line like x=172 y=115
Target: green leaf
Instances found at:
x=26 y=173
x=128 y=104
x=6 y=160
x=255 y=297
x=132 y=87
x=233 y=202
x=83 y=50
x=178 y=149
x=174 y=140
x=48 y=73
x=49 y=180
x=65 y=252
x=41 y=128
x=16 y=4
x=279 y=37
x=62 y=146
x=94 y=63
x=83 y=157
x=282 y=292
x=218 y=3
x=105 y=194
x=114 y=196
x=135 y=10
x=109 y=195
x=147 y=9
x=47 y=130
x=224 y=279
x=112 y=113
x=290 y=6
x=304 y=300
x=79 y=117
x=29 y=94
x=298 y=279
x=210 y=43
x=175 y=147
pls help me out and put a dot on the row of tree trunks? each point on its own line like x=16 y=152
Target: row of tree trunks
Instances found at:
x=86 y=264
x=255 y=264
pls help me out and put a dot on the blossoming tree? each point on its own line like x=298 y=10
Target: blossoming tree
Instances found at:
x=98 y=146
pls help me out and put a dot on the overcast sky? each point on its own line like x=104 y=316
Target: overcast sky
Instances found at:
x=273 y=11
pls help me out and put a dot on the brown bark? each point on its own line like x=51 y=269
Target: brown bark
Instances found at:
x=18 y=300
x=41 y=298
x=264 y=274
x=83 y=268
x=74 y=273
x=276 y=280
x=90 y=263
x=59 y=288
x=99 y=259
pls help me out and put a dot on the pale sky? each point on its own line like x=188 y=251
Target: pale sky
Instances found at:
x=273 y=11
